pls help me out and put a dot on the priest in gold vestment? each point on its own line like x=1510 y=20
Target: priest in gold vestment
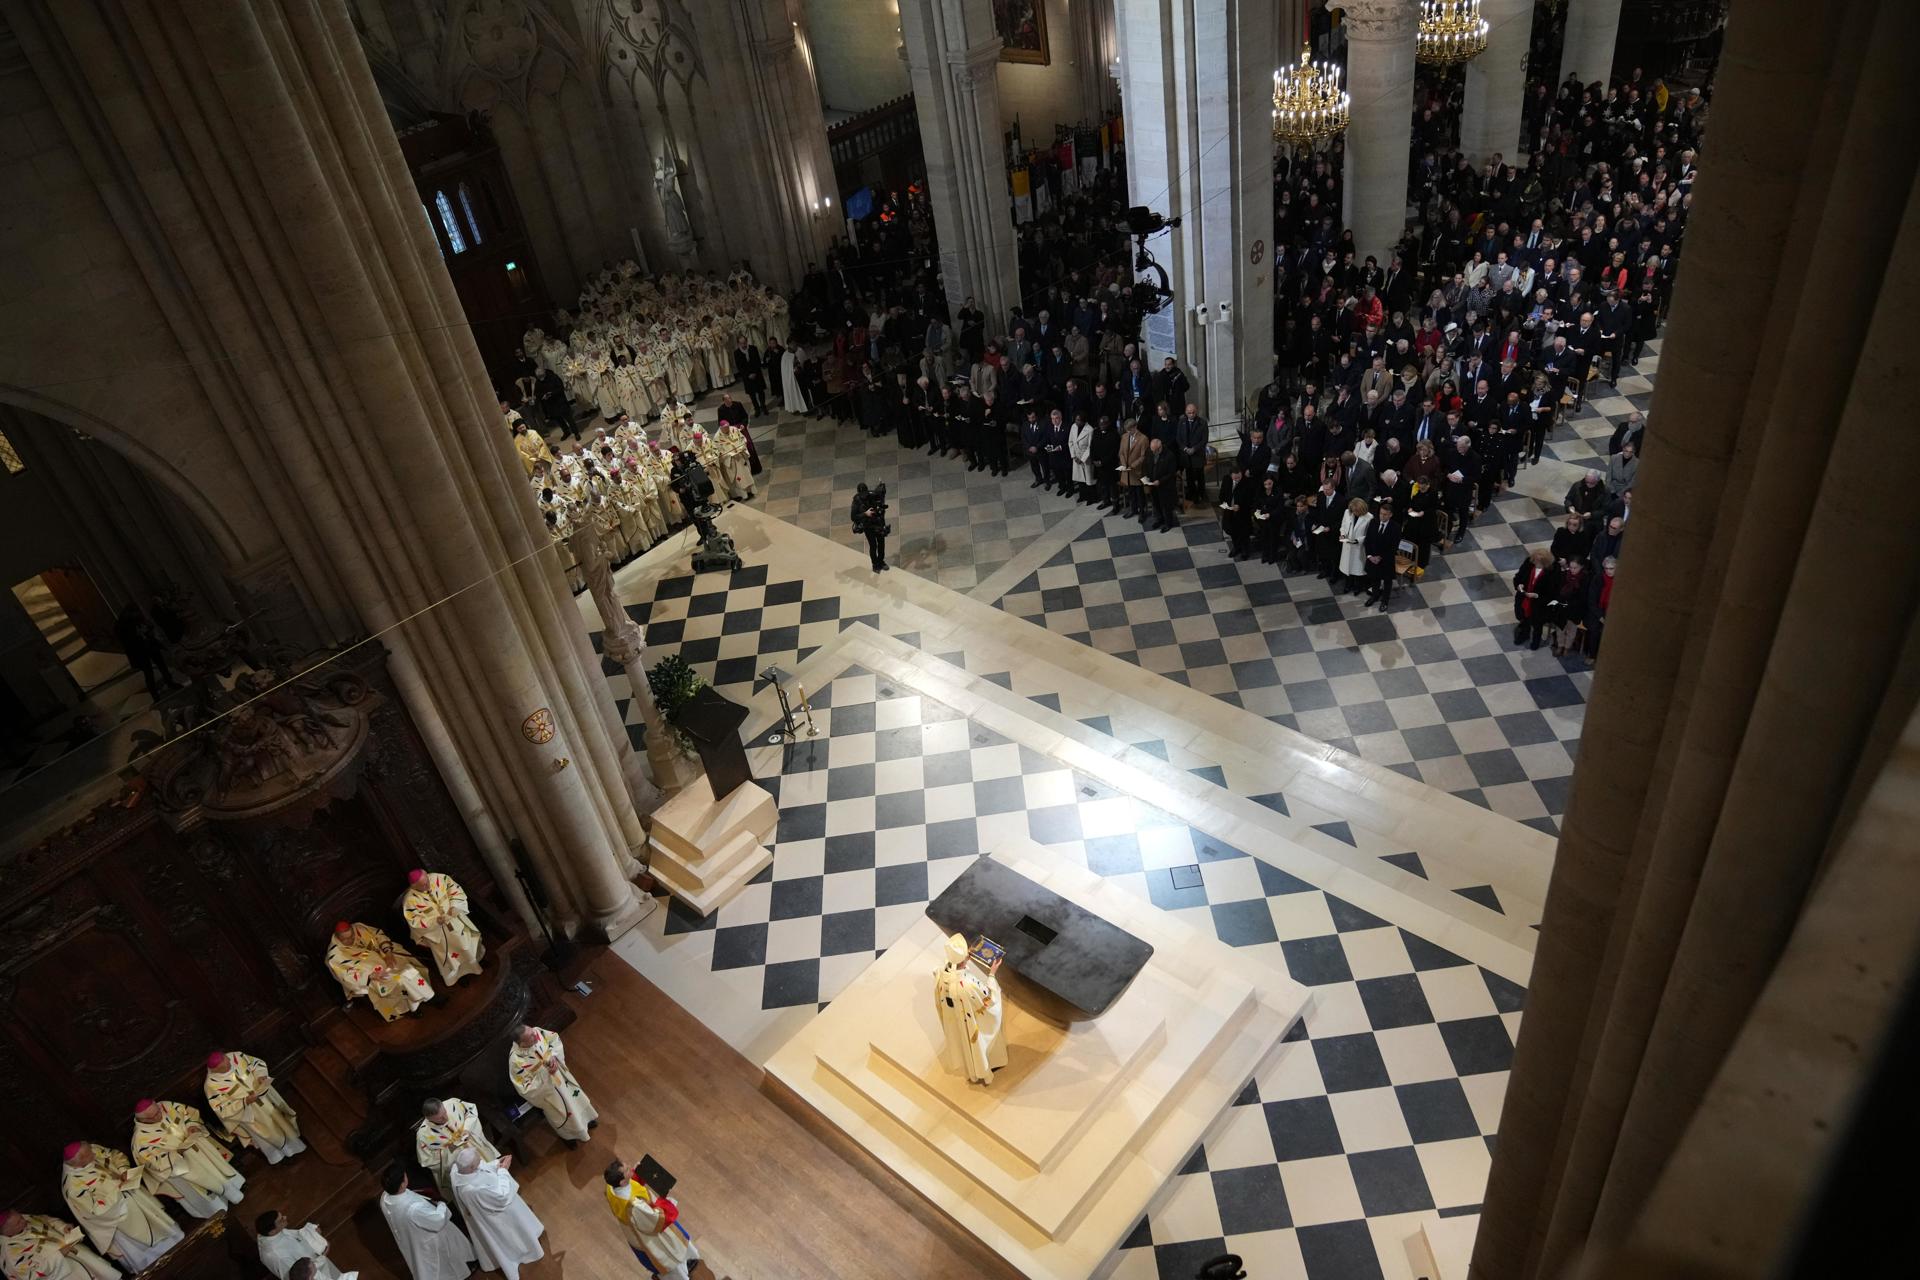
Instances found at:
x=537 y=1064
x=240 y=1091
x=369 y=963
x=120 y=1216
x=447 y=1127
x=181 y=1159
x=38 y=1246
x=436 y=911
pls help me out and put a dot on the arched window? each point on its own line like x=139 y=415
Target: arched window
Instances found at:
x=455 y=240
x=436 y=240
x=466 y=207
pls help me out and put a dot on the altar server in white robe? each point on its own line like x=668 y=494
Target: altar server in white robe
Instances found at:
x=434 y=1248
x=120 y=1216
x=652 y=1223
x=537 y=1064
x=240 y=1091
x=435 y=907
x=448 y=1127
x=181 y=1159
x=39 y=1246
x=506 y=1235
x=281 y=1246
x=968 y=1003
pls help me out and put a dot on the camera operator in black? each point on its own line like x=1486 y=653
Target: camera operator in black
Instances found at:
x=870 y=517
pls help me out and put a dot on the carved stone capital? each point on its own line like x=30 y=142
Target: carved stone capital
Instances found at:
x=1380 y=19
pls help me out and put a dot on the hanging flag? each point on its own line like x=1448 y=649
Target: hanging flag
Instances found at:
x=1022 y=195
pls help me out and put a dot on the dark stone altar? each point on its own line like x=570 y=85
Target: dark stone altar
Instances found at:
x=1075 y=961
x=192 y=912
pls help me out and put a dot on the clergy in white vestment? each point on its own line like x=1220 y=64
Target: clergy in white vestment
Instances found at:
x=435 y=907
x=537 y=1064
x=968 y=1003
x=181 y=1159
x=120 y=1216
x=281 y=1246
x=506 y=1235
x=434 y=1248
x=792 y=398
x=652 y=1223
x=448 y=1126
x=38 y=1246
x=240 y=1091
x=366 y=962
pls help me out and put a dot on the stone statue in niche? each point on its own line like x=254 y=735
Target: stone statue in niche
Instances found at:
x=666 y=182
x=966 y=995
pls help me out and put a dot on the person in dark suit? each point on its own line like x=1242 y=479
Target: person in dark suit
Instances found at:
x=1382 y=550
x=1325 y=530
x=748 y=364
x=1033 y=442
x=1163 y=482
x=1103 y=455
x=1238 y=501
x=1170 y=385
x=1462 y=480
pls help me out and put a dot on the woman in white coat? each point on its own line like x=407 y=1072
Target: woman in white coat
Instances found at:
x=1080 y=450
x=1353 y=551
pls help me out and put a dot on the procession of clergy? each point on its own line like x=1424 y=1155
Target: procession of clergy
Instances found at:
x=116 y=1200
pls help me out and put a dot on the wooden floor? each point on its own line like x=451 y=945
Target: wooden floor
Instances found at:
x=765 y=1197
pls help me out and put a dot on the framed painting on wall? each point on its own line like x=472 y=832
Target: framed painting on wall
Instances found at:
x=1022 y=24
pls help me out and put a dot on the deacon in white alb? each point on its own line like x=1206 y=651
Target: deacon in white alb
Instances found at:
x=537 y=1063
x=281 y=1246
x=506 y=1235
x=654 y=1231
x=968 y=1002
x=449 y=1127
x=435 y=907
x=434 y=1248
x=38 y=1246
x=181 y=1159
x=120 y=1216
x=241 y=1093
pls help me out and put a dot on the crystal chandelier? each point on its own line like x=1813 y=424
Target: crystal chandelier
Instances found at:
x=1308 y=103
x=1451 y=32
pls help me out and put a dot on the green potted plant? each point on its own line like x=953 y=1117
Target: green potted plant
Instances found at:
x=674 y=683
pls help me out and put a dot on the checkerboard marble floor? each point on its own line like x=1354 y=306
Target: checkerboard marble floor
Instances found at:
x=1379 y=1110
x=950 y=525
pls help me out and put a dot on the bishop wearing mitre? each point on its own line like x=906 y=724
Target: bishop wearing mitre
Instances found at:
x=968 y=1003
x=250 y=1109
x=369 y=963
x=181 y=1159
x=121 y=1217
x=448 y=1126
x=37 y=1246
x=537 y=1064
x=436 y=911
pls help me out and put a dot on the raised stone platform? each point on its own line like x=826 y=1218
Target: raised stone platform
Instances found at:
x=705 y=850
x=1053 y=1163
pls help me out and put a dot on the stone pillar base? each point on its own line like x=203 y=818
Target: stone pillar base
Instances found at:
x=705 y=851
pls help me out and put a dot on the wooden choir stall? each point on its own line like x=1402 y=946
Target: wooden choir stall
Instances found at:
x=191 y=912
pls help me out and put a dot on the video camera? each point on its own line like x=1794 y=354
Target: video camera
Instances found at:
x=875 y=502
x=1148 y=295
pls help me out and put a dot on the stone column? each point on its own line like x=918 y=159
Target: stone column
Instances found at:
x=1497 y=84
x=625 y=641
x=1380 y=128
x=1095 y=47
x=953 y=57
x=1592 y=28
x=1197 y=94
x=785 y=101
x=258 y=195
